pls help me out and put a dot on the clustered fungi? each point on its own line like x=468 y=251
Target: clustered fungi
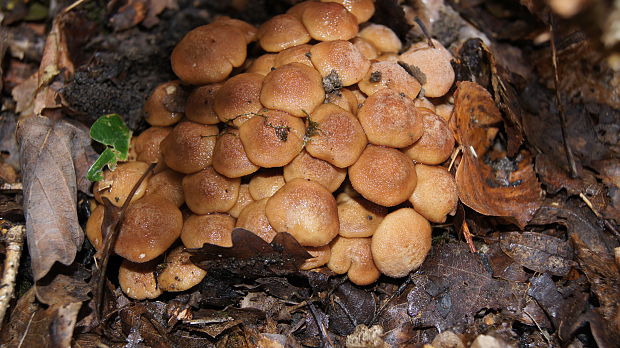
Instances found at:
x=269 y=148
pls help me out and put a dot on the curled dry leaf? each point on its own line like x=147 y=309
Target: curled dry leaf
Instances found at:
x=475 y=121
x=538 y=252
x=54 y=155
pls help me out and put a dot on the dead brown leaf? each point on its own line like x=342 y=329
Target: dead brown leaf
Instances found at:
x=538 y=252
x=52 y=327
x=53 y=157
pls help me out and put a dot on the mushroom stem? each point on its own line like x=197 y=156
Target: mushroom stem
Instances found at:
x=425 y=31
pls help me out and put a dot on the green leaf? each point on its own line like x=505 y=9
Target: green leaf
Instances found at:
x=111 y=131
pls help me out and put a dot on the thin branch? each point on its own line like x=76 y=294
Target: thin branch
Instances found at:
x=15 y=244
x=425 y=31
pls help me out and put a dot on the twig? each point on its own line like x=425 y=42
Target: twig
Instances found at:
x=396 y=293
x=598 y=215
x=425 y=31
x=327 y=342
x=15 y=244
x=467 y=235
x=570 y=158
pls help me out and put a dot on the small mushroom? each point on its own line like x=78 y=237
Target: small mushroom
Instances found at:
x=341 y=58
x=238 y=98
x=248 y=30
x=383 y=175
x=167 y=185
x=320 y=257
x=445 y=111
x=296 y=54
x=265 y=183
x=150 y=226
x=137 y=280
x=382 y=37
x=298 y=9
x=272 y=138
x=210 y=192
x=254 y=219
x=211 y=228
x=93 y=227
x=179 y=273
x=307 y=167
x=229 y=157
x=391 y=75
x=344 y=98
x=422 y=102
x=281 y=32
x=263 y=64
x=199 y=104
x=361 y=9
x=437 y=69
x=353 y=257
x=437 y=142
x=189 y=147
x=435 y=195
x=390 y=119
x=294 y=88
x=243 y=200
x=339 y=138
x=117 y=184
x=306 y=210
x=358 y=216
x=147 y=144
x=401 y=242
x=366 y=48
x=166 y=104
x=327 y=21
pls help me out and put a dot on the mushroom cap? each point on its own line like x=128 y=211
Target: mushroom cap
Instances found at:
x=326 y=21
x=305 y=166
x=423 y=102
x=365 y=47
x=361 y=9
x=208 y=53
x=150 y=227
x=212 y=228
x=390 y=119
x=401 y=242
x=354 y=257
x=117 y=184
x=147 y=144
x=281 y=32
x=272 y=138
x=438 y=45
x=390 y=75
x=345 y=99
x=445 y=111
x=383 y=175
x=358 y=216
x=298 y=9
x=388 y=57
x=229 y=157
x=167 y=184
x=437 y=142
x=265 y=183
x=248 y=30
x=179 y=273
x=189 y=147
x=435 y=66
x=320 y=256
x=341 y=57
x=306 y=210
x=294 y=88
x=254 y=219
x=210 y=192
x=263 y=64
x=166 y=104
x=137 y=280
x=199 y=105
x=435 y=195
x=243 y=200
x=382 y=37
x=297 y=54
x=340 y=138
x=238 y=98
x=93 y=227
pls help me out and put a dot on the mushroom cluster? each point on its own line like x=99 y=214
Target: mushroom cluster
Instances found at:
x=335 y=134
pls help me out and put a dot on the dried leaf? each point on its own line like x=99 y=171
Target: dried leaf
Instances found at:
x=129 y=15
x=52 y=327
x=155 y=7
x=538 y=252
x=64 y=285
x=52 y=154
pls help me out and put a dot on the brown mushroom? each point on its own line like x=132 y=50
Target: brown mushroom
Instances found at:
x=254 y=219
x=445 y=111
x=390 y=119
x=210 y=192
x=208 y=54
x=166 y=104
x=137 y=280
x=150 y=226
x=238 y=98
x=212 y=229
x=294 y=88
x=345 y=99
x=326 y=21
x=265 y=183
x=339 y=138
x=178 y=273
x=437 y=142
x=358 y=217
x=382 y=37
x=320 y=257
x=366 y=48
x=340 y=58
x=307 y=167
x=93 y=227
x=147 y=144
x=422 y=102
x=243 y=200
x=361 y=9
x=401 y=242
x=263 y=64
x=248 y=30
x=306 y=210
x=298 y=9
x=296 y=54
x=281 y=32
x=272 y=138
x=199 y=105
x=229 y=157
x=189 y=147
x=435 y=195
x=167 y=184
x=353 y=256
x=117 y=184
x=383 y=175
x=391 y=75
x=436 y=68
